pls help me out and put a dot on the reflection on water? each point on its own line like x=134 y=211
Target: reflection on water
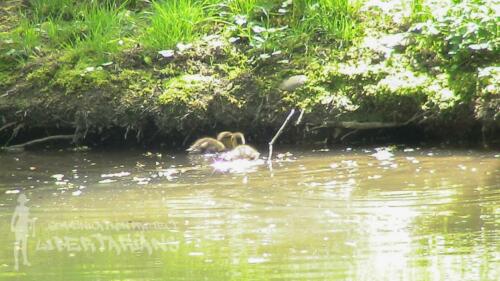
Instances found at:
x=356 y=214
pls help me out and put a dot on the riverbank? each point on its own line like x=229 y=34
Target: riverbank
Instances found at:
x=384 y=70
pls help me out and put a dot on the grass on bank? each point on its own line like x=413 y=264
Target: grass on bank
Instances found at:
x=245 y=7
x=334 y=19
x=103 y=31
x=97 y=30
x=176 y=21
x=45 y=10
x=91 y=31
x=463 y=37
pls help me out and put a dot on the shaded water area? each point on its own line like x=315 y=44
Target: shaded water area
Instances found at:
x=342 y=214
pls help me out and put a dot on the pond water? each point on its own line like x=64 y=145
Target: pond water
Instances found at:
x=341 y=214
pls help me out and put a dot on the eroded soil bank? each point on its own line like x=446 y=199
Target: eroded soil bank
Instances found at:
x=390 y=84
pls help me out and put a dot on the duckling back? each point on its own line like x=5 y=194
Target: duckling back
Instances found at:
x=226 y=139
x=241 y=152
x=206 y=145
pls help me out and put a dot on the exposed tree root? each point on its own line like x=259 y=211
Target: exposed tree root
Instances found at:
x=8 y=125
x=14 y=133
x=41 y=140
x=365 y=125
x=348 y=134
x=357 y=126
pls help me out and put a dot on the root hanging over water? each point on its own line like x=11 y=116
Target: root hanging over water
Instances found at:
x=22 y=146
x=8 y=125
x=355 y=125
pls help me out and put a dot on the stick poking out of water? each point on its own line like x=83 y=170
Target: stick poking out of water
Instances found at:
x=278 y=134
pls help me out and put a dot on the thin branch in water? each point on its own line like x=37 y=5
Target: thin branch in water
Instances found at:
x=278 y=134
x=299 y=120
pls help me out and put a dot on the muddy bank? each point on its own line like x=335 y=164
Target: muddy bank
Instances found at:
x=174 y=100
x=387 y=85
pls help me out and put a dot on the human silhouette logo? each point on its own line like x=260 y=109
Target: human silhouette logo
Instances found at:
x=20 y=225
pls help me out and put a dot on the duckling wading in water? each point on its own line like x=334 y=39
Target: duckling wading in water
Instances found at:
x=241 y=152
x=225 y=140
x=230 y=140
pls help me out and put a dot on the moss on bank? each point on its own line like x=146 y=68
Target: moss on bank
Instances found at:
x=390 y=74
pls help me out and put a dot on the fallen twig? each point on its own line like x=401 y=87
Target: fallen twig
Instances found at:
x=278 y=134
x=23 y=145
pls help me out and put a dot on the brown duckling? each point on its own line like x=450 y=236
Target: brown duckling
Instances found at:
x=210 y=145
x=234 y=140
x=205 y=145
x=230 y=140
x=242 y=151
x=225 y=140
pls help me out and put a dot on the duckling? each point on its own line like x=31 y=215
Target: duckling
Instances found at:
x=225 y=140
x=230 y=140
x=242 y=151
x=234 y=139
x=210 y=145
x=205 y=145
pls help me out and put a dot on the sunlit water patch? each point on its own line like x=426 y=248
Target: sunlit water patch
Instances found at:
x=356 y=214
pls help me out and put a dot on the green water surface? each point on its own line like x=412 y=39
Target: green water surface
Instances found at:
x=345 y=214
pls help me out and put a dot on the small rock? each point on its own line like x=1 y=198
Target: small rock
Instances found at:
x=167 y=53
x=184 y=47
x=293 y=82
